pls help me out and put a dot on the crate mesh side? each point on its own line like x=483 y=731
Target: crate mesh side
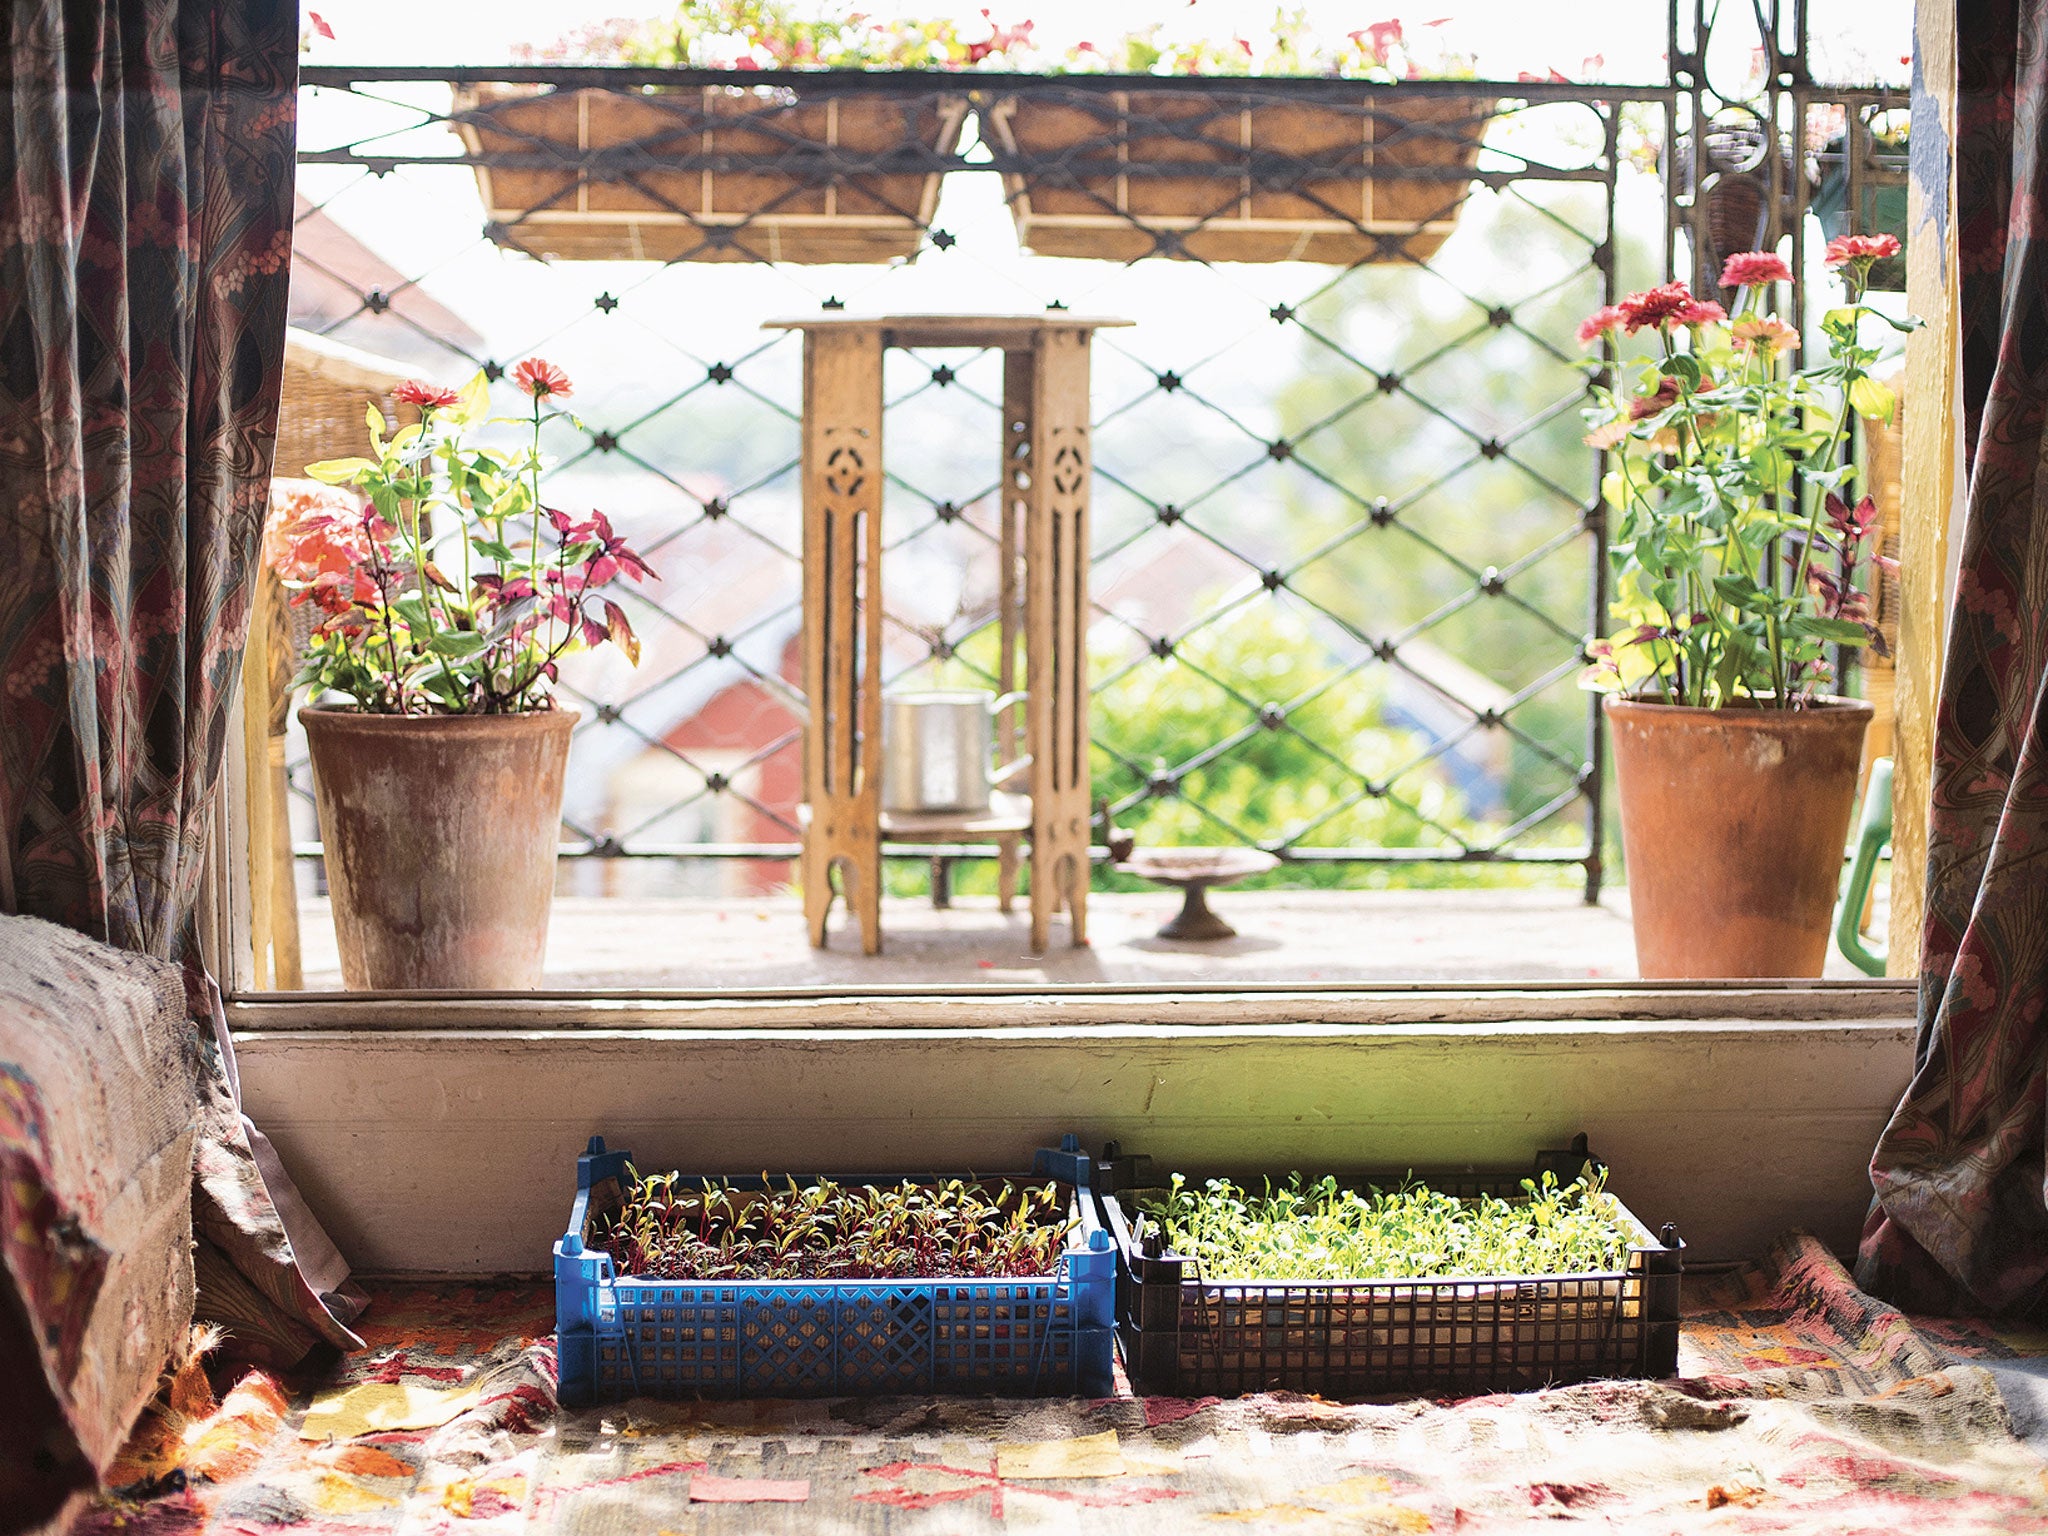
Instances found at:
x=666 y=1339
x=1472 y=1335
x=1002 y=1332
x=885 y=1339
x=799 y=1340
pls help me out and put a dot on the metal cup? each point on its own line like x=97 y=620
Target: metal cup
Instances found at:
x=936 y=750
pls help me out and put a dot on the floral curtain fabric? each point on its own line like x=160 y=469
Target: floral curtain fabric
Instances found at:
x=1959 y=1222
x=146 y=174
x=144 y=245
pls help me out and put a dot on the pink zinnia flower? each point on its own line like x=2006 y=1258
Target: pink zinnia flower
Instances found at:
x=1844 y=249
x=1765 y=331
x=1754 y=269
x=1700 y=312
x=1599 y=323
x=542 y=379
x=426 y=396
x=1378 y=38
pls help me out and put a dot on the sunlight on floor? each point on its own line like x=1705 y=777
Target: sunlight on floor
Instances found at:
x=1318 y=937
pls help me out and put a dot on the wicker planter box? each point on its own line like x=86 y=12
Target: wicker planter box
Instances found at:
x=1184 y=1335
x=708 y=173
x=1098 y=173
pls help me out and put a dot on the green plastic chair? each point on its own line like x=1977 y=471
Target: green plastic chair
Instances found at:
x=1873 y=842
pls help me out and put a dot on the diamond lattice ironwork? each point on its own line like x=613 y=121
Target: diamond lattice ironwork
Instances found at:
x=1346 y=537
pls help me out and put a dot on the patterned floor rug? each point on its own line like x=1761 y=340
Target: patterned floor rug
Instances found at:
x=1802 y=1406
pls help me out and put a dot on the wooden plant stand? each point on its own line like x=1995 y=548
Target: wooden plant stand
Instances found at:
x=1046 y=470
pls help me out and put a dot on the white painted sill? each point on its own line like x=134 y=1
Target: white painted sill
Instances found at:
x=1220 y=1006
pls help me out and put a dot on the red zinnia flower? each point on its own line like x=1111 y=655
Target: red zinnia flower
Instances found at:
x=1754 y=269
x=426 y=396
x=1599 y=323
x=1844 y=249
x=542 y=379
x=1655 y=306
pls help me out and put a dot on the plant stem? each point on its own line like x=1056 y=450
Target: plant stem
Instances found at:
x=462 y=518
x=1834 y=446
x=534 y=548
x=379 y=575
x=409 y=515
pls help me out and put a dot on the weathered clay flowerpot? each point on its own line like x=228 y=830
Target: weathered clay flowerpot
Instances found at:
x=441 y=836
x=1734 y=822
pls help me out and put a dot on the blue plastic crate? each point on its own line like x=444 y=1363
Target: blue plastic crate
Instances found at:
x=633 y=1336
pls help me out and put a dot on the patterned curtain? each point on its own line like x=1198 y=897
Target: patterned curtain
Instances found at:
x=145 y=245
x=1960 y=1222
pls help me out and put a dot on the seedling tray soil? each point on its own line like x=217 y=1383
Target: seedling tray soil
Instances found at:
x=1184 y=1335
x=639 y=1336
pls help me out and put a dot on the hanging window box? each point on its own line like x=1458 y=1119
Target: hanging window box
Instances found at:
x=643 y=1335
x=1238 y=175
x=709 y=173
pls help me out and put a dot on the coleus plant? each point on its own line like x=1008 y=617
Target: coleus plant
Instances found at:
x=951 y=1229
x=398 y=634
x=1738 y=555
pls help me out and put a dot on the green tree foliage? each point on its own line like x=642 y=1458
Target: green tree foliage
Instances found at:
x=1255 y=732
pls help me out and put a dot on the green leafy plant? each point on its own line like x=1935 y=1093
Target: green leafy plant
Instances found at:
x=956 y=1228
x=1327 y=1231
x=1738 y=559
x=776 y=34
x=1382 y=51
x=398 y=636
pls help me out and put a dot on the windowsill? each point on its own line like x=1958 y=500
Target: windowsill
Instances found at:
x=1219 y=1007
x=1365 y=956
x=1303 y=1045
x=1736 y=1128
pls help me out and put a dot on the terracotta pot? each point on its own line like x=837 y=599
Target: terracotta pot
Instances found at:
x=441 y=835
x=1734 y=822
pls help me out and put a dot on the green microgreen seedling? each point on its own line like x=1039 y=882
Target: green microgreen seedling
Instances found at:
x=1324 y=1231
x=955 y=1229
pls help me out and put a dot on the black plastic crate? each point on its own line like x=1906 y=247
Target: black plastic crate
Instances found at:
x=1184 y=1335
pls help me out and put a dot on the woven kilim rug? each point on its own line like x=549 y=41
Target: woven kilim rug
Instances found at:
x=1803 y=1406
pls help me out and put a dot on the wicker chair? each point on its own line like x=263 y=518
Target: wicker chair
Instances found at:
x=327 y=388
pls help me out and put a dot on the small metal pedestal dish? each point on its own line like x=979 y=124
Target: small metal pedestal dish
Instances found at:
x=1194 y=870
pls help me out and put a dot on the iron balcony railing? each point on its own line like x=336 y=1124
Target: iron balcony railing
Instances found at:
x=1348 y=546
